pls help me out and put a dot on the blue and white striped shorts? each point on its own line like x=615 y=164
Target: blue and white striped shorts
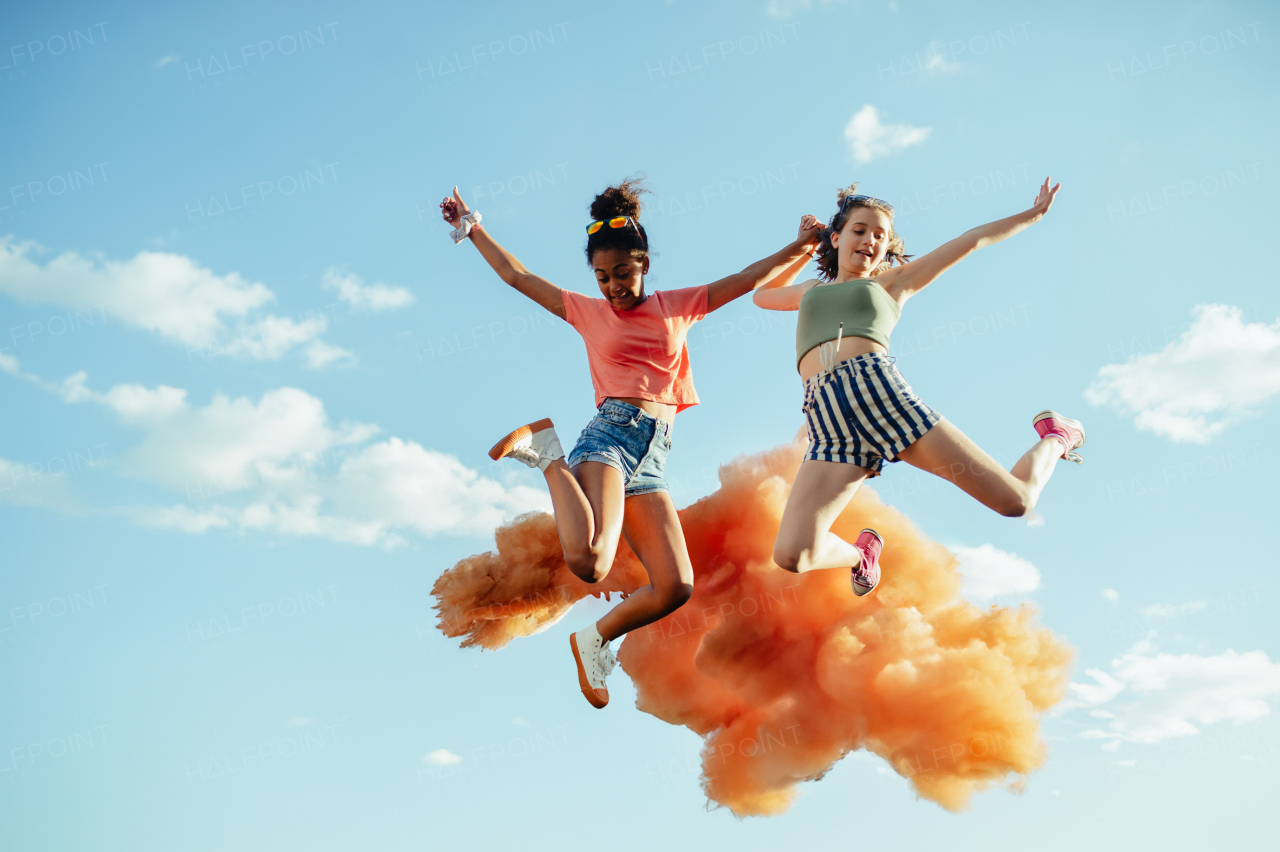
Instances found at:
x=863 y=412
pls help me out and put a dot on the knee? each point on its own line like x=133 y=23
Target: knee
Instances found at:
x=1015 y=506
x=674 y=597
x=587 y=566
x=788 y=559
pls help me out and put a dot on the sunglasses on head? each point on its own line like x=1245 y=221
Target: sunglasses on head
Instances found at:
x=850 y=199
x=613 y=222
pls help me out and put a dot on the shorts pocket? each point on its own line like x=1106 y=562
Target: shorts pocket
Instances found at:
x=617 y=418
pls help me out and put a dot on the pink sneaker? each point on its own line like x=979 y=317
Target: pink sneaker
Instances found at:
x=867 y=575
x=1069 y=432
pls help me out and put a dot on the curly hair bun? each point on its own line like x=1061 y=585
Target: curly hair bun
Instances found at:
x=620 y=200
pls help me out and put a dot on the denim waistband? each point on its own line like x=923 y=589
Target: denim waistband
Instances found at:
x=635 y=413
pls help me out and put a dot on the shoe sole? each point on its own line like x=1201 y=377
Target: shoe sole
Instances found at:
x=508 y=443
x=588 y=691
x=1076 y=424
x=856 y=587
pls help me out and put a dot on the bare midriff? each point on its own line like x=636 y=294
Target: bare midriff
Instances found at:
x=850 y=347
x=661 y=410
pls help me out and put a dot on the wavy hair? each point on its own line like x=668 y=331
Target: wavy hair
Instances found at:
x=827 y=256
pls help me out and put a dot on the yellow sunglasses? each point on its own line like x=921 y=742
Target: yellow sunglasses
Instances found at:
x=615 y=222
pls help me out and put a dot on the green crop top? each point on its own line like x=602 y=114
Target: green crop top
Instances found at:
x=861 y=304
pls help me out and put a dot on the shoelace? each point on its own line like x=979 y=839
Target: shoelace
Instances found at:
x=527 y=455
x=864 y=567
x=1069 y=454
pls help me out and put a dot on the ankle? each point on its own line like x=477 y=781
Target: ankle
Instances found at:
x=549 y=467
x=1062 y=440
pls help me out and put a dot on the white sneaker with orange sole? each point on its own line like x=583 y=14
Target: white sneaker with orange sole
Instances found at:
x=535 y=445
x=595 y=662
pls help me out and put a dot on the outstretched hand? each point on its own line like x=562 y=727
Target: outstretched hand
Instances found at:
x=810 y=230
x=453 y=209
x=1045 y=199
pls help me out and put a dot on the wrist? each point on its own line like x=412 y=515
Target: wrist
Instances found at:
x=466 y=224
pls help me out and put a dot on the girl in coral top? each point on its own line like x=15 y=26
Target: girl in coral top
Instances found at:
x=612 y=482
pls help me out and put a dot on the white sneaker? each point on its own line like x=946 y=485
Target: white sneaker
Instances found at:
x=595 y=662
x=535 y=445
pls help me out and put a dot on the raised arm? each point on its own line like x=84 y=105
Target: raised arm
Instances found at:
x=776 y=270
x=780 y=293
x=503 y=262
x=910 y=278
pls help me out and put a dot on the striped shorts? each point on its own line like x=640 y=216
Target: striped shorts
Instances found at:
x=863 y=412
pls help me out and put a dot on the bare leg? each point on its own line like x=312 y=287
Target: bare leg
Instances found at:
x=588 y=508
x=947 y=452
x=818 y=496
x=653 y=531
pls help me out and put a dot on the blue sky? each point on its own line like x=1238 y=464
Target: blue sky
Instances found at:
x=249 y=385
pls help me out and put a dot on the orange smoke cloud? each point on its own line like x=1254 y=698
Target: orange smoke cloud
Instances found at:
x=784 y=674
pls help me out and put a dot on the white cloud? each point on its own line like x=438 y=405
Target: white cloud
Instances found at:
x=402 y=484
x=869 y=139
x=166 y=60
x=173 y=296
x=1219 y=371
x=937 y=62
x=1104 y=688
x=229 y=441
x=441 y=757
x=299 y=722
x=271 y=337
x=10 y=364
x=1162 y=696
x=372 y=297
x=179 y=517
x=321 y=354
x=165 y=293
x=989 y=572
x=1111 y=595
x=1173 y=610
x=32 y=486
x=278 y=465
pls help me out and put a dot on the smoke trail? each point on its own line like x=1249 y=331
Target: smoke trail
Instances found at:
x=783 y=674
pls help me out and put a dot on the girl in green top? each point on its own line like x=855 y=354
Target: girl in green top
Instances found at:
x=860 y=412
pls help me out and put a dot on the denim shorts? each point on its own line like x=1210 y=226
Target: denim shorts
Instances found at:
x=629 y=440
